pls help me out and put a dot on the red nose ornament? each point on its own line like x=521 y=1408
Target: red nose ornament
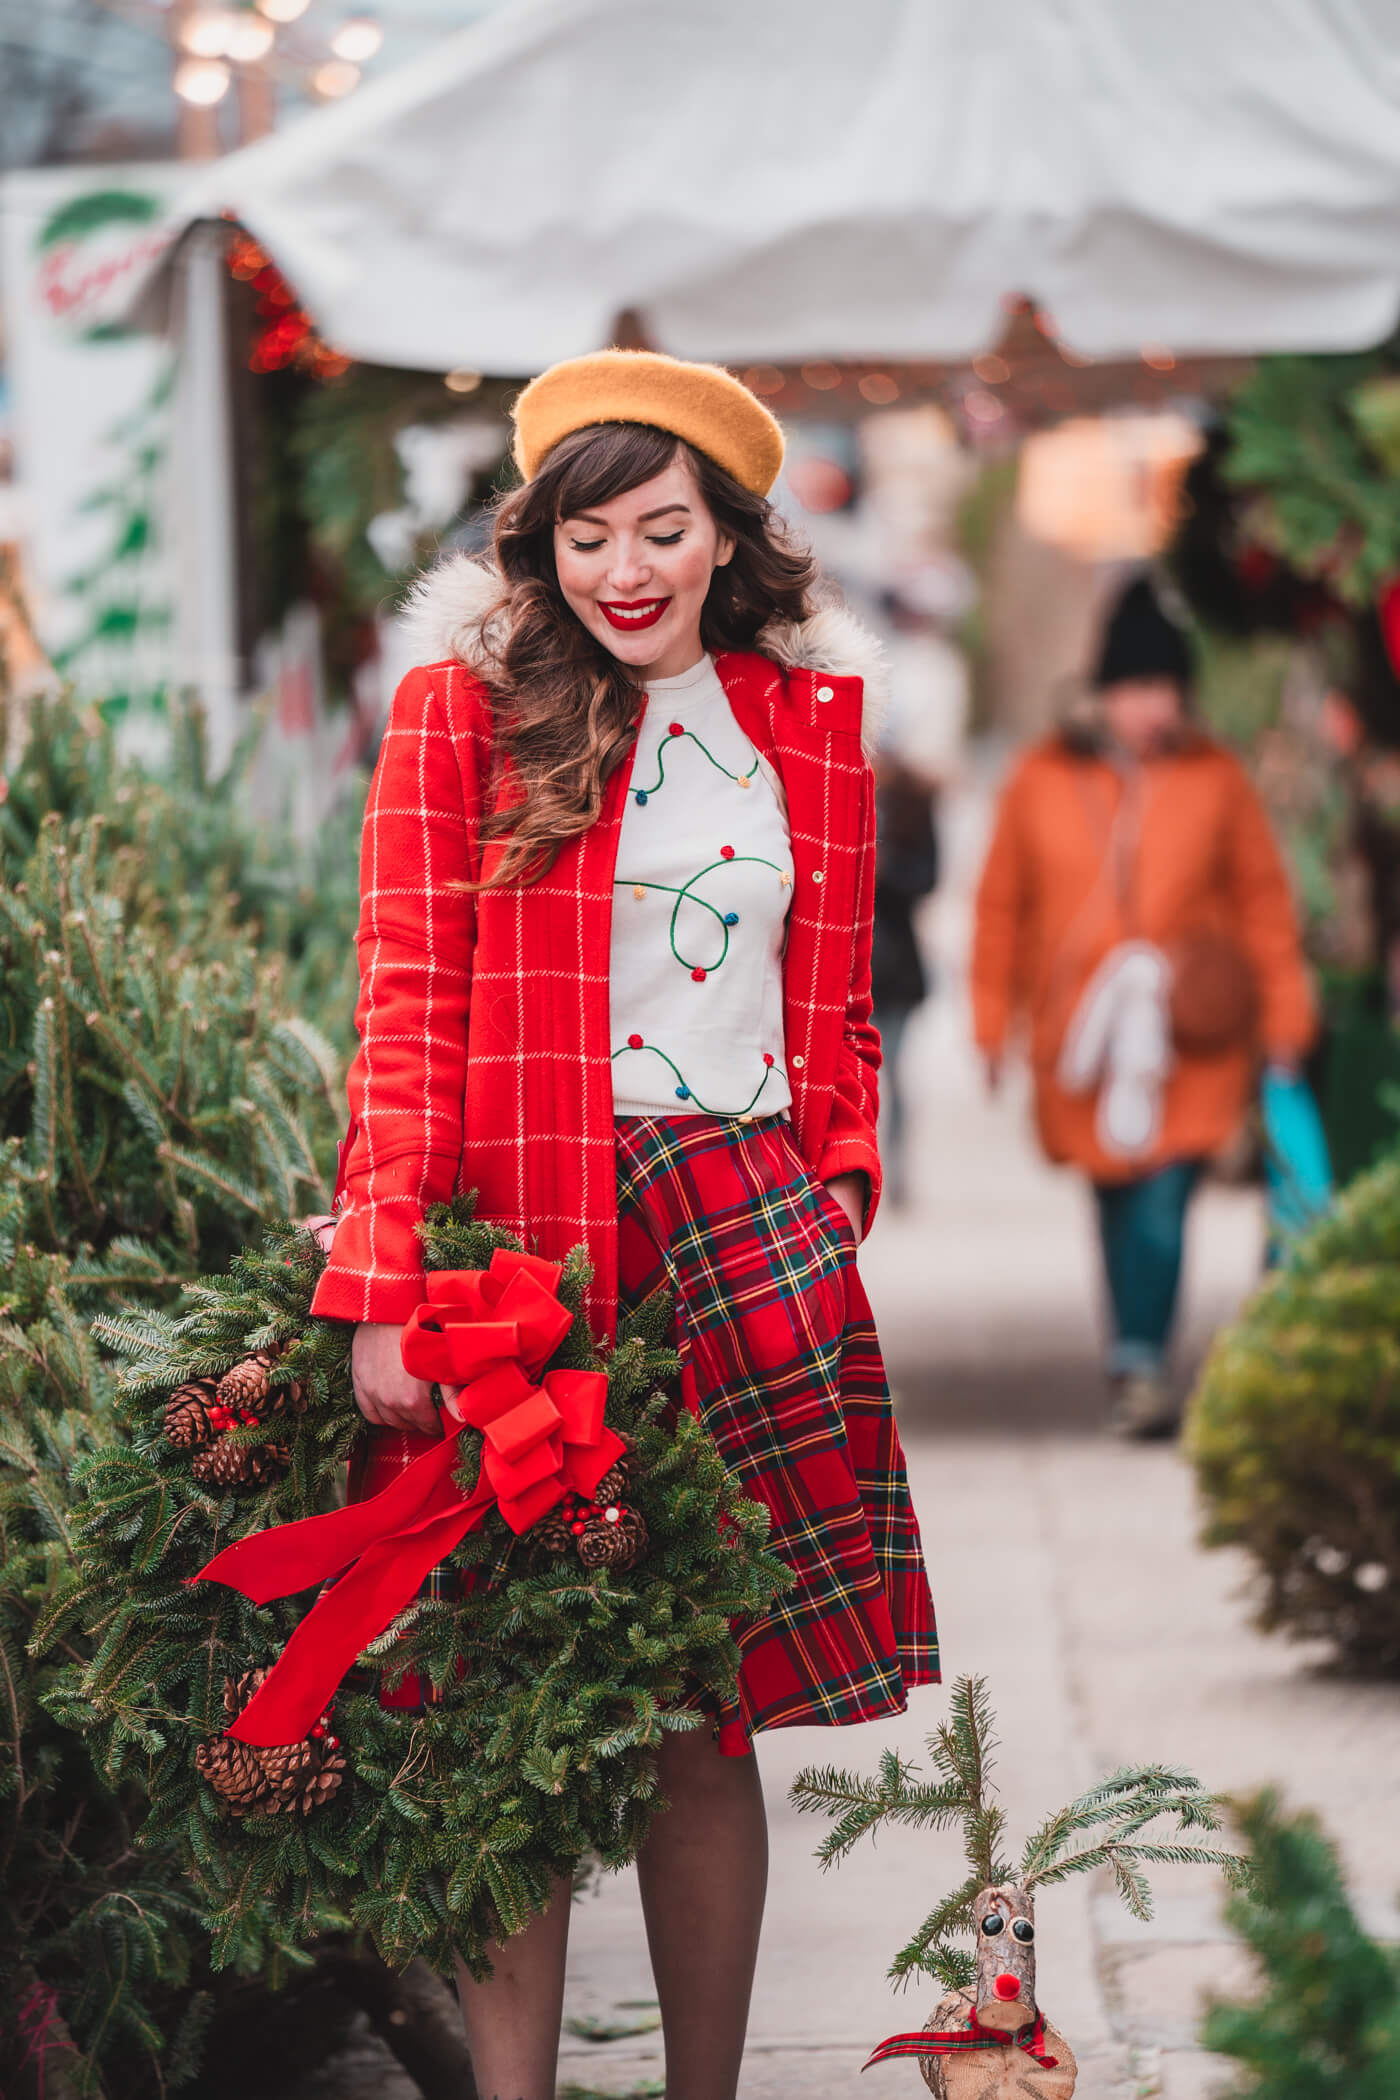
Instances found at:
x=1007 y=1987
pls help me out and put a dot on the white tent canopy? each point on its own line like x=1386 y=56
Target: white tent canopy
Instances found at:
x=772 y=179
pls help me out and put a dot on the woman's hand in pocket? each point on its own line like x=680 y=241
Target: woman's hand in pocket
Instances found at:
x=848 y=1191
x=384 y=1391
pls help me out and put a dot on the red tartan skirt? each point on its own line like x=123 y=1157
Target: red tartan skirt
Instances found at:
x=780 y=1359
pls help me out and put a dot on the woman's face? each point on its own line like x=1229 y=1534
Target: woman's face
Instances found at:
x=1144 y=715
x=636 y=570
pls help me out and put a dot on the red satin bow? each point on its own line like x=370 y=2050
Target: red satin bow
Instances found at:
x=490 y=1331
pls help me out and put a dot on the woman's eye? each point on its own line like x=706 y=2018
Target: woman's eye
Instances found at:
x=585 y=546
x=1022 y=1929
x=667 y=539
x=993 y=1923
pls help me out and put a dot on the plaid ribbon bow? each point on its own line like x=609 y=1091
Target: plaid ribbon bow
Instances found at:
x=973 y=2036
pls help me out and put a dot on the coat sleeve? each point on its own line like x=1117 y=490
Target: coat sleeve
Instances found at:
x=415 y=941
x=996 y=940
x=1267 y=924
x=850 y=1145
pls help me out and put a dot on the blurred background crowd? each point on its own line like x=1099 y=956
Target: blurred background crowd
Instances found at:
x=1083 y=332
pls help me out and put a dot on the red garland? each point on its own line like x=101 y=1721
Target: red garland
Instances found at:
x=482 y=1329
x=973 y=2036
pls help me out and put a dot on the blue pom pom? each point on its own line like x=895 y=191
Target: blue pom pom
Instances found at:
x=682 y=1093
x=731 y=918
x=641 y=795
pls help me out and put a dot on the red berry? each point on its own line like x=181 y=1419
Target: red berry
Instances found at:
x=247 y=1418
x=676 y=729
x=726 y=852
x=634 y=1042
x=332 y=1742
x=318 y=1731
x=699 y=976
x=577 y=1526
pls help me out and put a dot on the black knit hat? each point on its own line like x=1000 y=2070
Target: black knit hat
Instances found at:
x=1141 y=641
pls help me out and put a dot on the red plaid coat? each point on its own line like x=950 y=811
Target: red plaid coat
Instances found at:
x=485 y=1058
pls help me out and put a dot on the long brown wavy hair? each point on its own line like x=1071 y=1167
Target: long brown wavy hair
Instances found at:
x=564 y=705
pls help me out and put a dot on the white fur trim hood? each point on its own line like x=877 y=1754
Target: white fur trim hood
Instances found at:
x=444 y=613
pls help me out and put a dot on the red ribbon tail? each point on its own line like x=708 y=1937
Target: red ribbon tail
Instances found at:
x=901 y=2045
x=356 y=1610
x=291 y=1557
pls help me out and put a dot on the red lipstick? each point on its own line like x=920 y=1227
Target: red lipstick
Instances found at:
x=638 y=612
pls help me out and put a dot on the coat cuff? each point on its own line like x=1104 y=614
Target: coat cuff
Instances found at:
x=854 y=1155
x=374 y=1270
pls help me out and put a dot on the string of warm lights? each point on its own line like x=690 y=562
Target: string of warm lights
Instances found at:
x=287 y=335
x=215 y=42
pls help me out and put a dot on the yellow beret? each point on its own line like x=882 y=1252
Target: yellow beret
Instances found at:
x=703 y=404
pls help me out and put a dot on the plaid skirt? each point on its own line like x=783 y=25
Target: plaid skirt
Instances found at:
x=780 y=1360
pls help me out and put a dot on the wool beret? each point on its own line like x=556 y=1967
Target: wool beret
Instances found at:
x=703 y=404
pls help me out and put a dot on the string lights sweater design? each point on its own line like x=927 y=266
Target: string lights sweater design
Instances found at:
x=701 y=895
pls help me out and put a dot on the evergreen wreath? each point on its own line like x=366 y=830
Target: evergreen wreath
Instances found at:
x=553 y=1681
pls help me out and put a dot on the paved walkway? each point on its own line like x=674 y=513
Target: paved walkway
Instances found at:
x=1065 y=1569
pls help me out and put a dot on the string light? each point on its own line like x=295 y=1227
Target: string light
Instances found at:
x=764 y=379
x=878 y=388
x=462 y=381
x=991 y=369
x=206 y=32
x=822 y=376
x=250 y=38
x=357 y=39
x=283 y=10
x=335 y=78
x=1158 y=359
x=201 y=81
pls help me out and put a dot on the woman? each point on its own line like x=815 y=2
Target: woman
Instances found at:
x=615 y=976
x=1134 y=906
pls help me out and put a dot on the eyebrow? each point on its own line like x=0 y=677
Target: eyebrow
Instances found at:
x=590 y=517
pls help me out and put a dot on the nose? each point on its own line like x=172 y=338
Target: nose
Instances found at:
x=1007 y=1987
x=630 y=571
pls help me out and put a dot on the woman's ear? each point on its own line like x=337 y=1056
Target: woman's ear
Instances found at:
x=724 y=550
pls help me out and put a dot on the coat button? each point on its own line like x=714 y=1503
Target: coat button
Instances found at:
x=824 y=692
x=817 y=875
x=799 y=1064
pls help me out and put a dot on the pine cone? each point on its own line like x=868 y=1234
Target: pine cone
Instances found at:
x=187 y=1423
x=287 y=1766
x=230 y=1465
x=235 y=1772
x=613 y=1485
x=620 y=1545
x=239 y=1690
x=246 y=1385
x=553 y=1532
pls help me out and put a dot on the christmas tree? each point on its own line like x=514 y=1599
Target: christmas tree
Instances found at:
x=158 y=1097
x=1326 y=2025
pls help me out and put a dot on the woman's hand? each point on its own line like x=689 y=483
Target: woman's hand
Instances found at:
x=849 y=1191
x=384 y=1392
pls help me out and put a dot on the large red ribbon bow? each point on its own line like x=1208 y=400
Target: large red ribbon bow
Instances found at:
x=490 y=1331
x=973 y=2036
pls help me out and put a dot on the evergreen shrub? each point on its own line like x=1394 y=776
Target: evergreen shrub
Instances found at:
x=1295 y=1432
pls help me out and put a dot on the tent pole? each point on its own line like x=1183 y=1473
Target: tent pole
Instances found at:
x=206 y=651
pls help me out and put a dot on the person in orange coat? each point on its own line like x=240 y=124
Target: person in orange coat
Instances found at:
x=1135 y=911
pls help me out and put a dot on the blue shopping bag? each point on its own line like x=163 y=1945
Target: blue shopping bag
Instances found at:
x=1297 y=1167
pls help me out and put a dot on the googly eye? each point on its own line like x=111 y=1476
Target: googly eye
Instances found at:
x=993 y=1923
x=1022 y=1929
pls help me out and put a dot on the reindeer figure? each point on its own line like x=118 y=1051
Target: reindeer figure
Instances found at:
x=988 y=2039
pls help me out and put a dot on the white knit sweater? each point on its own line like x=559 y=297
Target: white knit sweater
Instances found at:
x=700 y=903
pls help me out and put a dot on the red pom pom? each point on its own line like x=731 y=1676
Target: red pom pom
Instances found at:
x=675 y=729
x=634 y=1042
x=699 y=976
x=768 y=1057
x=726 y=852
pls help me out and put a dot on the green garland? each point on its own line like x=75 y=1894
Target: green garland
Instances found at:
x=557 y=1683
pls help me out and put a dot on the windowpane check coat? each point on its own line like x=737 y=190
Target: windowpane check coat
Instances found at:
x=485 y=1053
